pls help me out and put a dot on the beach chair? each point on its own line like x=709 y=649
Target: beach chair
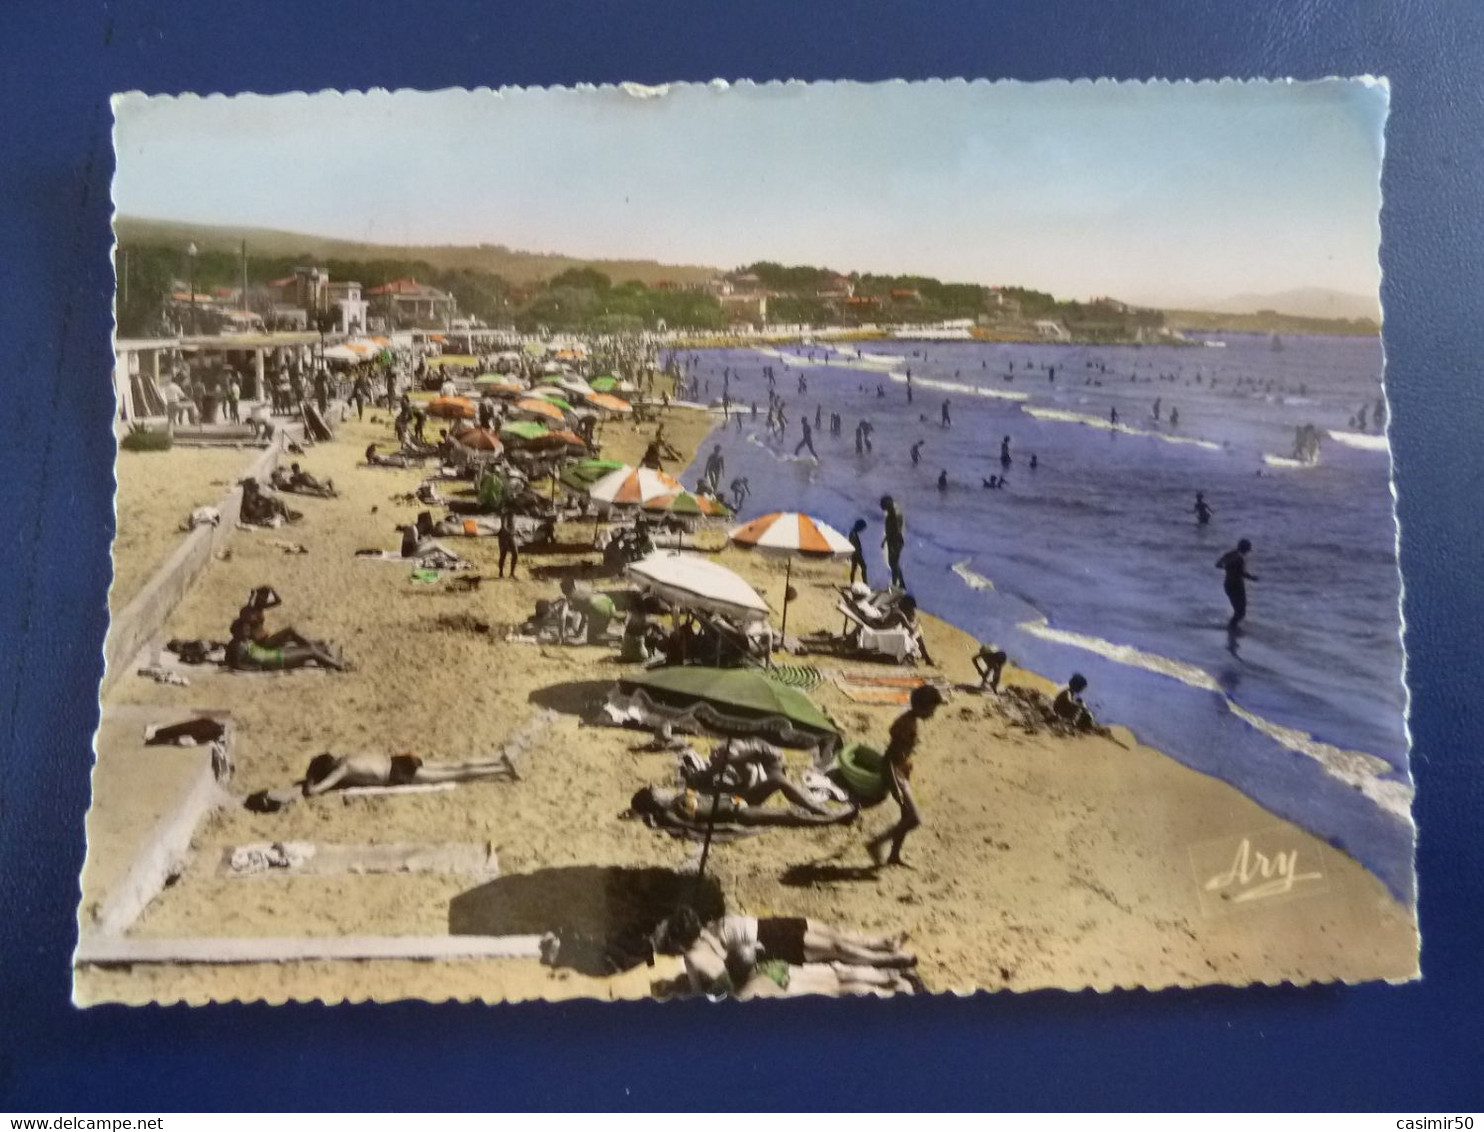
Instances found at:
x=897 y=644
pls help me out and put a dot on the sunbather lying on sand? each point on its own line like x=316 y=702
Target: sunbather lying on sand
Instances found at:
x=670 y=808
x=328 y=772
x=457 y=526
x=296 y=479
x=766 y=957
x=396 y=460
x=753 y=771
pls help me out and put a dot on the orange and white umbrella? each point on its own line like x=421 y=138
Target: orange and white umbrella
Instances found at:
x=630 y=486
x=789 y=532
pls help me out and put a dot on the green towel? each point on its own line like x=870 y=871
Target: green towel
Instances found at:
x=425 y=576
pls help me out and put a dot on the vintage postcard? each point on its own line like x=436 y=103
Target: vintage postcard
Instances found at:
x=749 y=541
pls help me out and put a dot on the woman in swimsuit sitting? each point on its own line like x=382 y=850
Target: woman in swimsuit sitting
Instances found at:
x=246 y=655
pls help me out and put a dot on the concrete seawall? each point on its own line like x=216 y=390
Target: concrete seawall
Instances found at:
x=133 y=628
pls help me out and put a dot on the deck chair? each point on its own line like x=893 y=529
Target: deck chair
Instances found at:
x=897 y=644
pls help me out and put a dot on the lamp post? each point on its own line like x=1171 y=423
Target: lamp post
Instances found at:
x=191 y=254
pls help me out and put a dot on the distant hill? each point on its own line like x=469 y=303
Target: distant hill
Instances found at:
x=1268 y=322
x=1303 y=302
x=516 y=267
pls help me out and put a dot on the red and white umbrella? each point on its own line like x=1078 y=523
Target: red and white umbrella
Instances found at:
x=790 y=533
x=631 y=487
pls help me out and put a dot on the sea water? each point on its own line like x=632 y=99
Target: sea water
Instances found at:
x=1094 y=561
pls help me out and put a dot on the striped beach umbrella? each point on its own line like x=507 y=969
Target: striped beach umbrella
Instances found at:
x=790 y=533
x=684 y=503
x=629 y=486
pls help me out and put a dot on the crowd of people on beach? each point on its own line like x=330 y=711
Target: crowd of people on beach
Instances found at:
x=740 y=783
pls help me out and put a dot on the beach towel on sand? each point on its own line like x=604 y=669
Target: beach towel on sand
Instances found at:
x=870 y=688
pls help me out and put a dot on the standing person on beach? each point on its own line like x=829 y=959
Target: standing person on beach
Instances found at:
x=1113 y=415
x=509 y=548
x=947 y=416
x=1005 y=460
x=943 y=479
x=900 y=747
x=1202 y=509
x=894 y=540
x=857 y=552
x=1234 y=563
x=916 y=453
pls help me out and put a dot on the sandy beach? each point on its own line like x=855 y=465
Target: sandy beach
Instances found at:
x=1044 y=861
x=156 y=492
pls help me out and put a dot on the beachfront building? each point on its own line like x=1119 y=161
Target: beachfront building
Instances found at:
x=750 y=308
x=1052 y=331
x=838 y=288
x=350 y=308
x=406 y=302
x=997 y=302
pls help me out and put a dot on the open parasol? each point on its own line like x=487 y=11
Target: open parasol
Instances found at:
x=695 y=582
x=453 y=408
x=608 y=403
x=790 y=533
x=479 y=440
x=629 y=486
x=539 y=407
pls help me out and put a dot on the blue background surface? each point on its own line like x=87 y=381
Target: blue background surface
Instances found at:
x=1416 y=1047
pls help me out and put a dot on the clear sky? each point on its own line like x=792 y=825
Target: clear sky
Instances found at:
x=1150 y=192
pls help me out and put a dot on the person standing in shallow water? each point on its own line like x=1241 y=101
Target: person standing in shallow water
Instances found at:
x=895 y=539
x=1234 y=563
x=1005 y=460
x=1202 y=509
x=857 y=552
